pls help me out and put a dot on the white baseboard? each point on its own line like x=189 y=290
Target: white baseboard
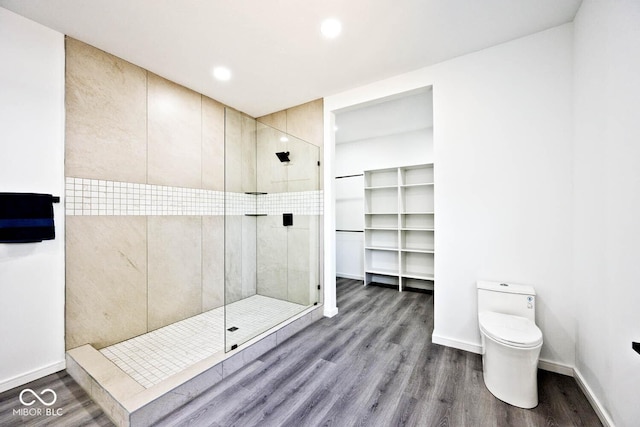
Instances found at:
x=330 y=311
x=349 y=276
x=462 y=345
x=605 y=419
x=31 y=376
x=558 y=368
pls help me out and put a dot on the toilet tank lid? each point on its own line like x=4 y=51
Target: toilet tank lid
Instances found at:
x=506 y=287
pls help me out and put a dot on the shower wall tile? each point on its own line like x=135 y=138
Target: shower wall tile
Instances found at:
x=272 y=257
x=233 y=258
x=212 y=144
x=240 y=257
x=106 y=116
x=276 y=120
x=212 y=262
x=299 y=287
x=306 y=122
x=271 y=174
x=302 y=240
x=249 y=248
x=175 y=269
x=233 y=151
x=106 y=275
x=175 y=134
x=144 y=157
x=248 y=154
x=303 y=170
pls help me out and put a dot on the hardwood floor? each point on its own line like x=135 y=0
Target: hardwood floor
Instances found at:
x=372 y=365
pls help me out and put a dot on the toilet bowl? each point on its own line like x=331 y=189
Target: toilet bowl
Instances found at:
x=511 y=342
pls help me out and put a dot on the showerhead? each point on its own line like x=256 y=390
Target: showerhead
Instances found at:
x=283 y=156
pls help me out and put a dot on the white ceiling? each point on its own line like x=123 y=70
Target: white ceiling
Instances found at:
x=274 y=48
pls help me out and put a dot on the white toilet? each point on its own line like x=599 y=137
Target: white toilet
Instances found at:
x=511 y=342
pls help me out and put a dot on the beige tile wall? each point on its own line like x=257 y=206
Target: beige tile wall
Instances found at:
x=272 y=257
x=212 y=262
x=129 y=275
x=126 y=124
x=277 y=120
x=305 y=121
x=106 y=116
x=212 y=144
x=175 y=269
x=288 y=259
x=174 y=139
x=303 y=270
x=272 y=175
x=106 y=279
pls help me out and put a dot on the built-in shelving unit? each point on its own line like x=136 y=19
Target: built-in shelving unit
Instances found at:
x=399 y=227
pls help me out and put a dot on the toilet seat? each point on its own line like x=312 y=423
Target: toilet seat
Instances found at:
x=514 y=331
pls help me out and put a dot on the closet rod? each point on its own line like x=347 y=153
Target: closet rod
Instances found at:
x=350 y=231
x=348 y=176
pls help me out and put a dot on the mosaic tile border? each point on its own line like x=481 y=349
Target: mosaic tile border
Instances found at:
x=93 y=197
x=297 y=203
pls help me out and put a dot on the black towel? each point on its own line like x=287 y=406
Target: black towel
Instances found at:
x=26 y=218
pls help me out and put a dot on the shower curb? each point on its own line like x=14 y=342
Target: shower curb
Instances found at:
x=129 y=404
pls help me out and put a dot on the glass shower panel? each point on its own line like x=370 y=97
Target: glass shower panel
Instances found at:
x=303 y=234
x=272 y=228
x=239 y=222
x=288 y=237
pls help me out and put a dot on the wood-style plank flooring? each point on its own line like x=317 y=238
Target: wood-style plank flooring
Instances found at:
x=73 y=407
x=371 y=365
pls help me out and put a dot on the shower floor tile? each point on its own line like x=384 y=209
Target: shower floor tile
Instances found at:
x=155 y=356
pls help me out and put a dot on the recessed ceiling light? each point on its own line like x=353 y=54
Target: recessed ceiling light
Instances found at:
x=222 y=73
x=331 y=28
x=284 y=139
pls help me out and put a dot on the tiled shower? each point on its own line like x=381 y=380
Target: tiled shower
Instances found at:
x=176 y=247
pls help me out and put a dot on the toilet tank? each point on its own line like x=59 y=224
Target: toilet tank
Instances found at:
x=507 y=298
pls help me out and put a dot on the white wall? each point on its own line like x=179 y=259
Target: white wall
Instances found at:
x=606 y=267
x=503 y=199
x=32 y=160
x=393 y=133
x=502 y=149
